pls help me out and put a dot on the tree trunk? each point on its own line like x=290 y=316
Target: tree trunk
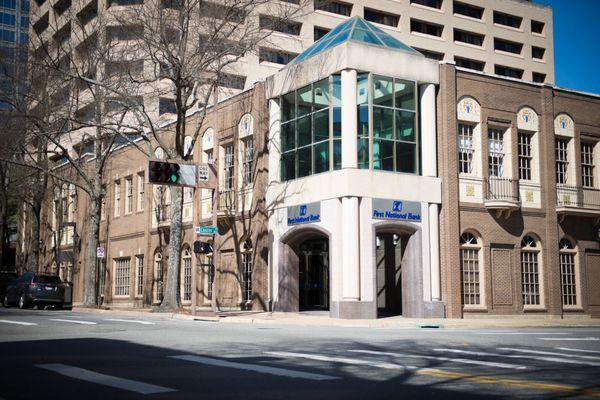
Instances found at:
x=171 y=300
x=90 y=296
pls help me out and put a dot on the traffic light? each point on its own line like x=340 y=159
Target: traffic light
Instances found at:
x=202 y=247
x=164 y=173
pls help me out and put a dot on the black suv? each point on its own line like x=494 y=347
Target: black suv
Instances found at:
x=6 y=278
x=35 y=289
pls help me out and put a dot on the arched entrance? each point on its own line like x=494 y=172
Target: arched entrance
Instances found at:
x=397 y=259
x=313 y=274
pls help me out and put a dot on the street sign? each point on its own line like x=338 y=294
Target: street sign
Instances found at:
x=100 y=253
x=203 y=173
x=206 y=230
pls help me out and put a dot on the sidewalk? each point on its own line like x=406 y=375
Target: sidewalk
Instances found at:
x=323 y=319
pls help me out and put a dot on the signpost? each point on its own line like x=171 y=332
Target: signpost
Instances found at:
x=100 y=252
x=206 y=230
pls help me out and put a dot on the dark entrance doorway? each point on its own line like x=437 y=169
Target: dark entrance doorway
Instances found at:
x=389 y=250
x=313 y=274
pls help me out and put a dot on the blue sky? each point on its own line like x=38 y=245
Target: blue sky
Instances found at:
x=576 y=43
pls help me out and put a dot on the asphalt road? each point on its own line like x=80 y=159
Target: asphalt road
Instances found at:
x=62 y=355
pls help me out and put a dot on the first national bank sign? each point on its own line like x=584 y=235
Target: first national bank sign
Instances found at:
x=398 y=210
x=304 y=213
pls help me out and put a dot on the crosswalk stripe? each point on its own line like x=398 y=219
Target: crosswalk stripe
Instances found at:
x=455 y=360
x=549 y=353
x=581 y=350
x=531 y=357
x=255 y=368
x=342 y=360
x=7 y=321
x=73 y=321
x=107 y=380
x=521 y=333
x=133 y=321
x=589 y=339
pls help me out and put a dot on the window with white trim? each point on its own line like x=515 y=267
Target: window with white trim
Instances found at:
x=465 y=148
x=158 y=277
x=587 y=164
x=210 y=276
x=228 y=167
x=530 y=271
x=496 y=152
x=128 y=195
x=562 y=160
x=186 y=275
x=248 y=161
x=470 y=269
x=122 y=270
x=141 y=188
x=139 y=275
x=247 y=274
x=525 y=156
x=568 y=273
x=117 y=198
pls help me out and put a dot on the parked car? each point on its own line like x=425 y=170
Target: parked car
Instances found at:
x=35 y=289
x=6 y=278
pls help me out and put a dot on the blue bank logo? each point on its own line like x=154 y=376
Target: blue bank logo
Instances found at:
x=396 y=210
x=303 y=210
x=304 y=213
x=397 y=206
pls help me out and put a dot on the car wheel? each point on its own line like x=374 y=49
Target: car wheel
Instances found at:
x=5 y=302
x=23 y=302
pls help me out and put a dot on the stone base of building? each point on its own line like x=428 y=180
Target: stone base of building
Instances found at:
x=353 y=310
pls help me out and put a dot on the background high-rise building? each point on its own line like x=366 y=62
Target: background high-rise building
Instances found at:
x=14 y=38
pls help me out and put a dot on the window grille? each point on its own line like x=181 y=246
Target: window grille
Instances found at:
x=530 y=271
x=210 y=276
x=248 y=159
x=587 y=164
x=496 y=152
x=247 y=276
x=469 y=261
x=567 y=273
x=187 y=275
x=141 y=190
x=465 y=148
x=139 y=260
x=129 y=195
x=562 y=160
x=525 y=156
x=228 y=167
x=117 y=198
x=158 y=278
x=122 y=268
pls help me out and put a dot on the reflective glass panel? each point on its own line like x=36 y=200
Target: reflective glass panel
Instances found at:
x=304 y=100
x=336 y=91
x=304 y=132
x=321 y=94
x=337 y=122
x=405 y=126
x=304 y=161
x=288 y=107
x=321 y=125
x=362 y=89
x=288 y=166
x=363 y=121
x=383 y=122
x=337 y=154
x=363 y=153
x=383 y=91
x=288 y=136
x=321 y=157
x=405 y=94
x=406 y=157
x=383 y=155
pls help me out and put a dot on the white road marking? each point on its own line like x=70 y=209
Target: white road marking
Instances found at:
x=133 y=321
x=255 y=368
x=456 y=360
x=589 y=339
x=549 y=353
x=522 y=333
x=107 y=380
x=73 y=321
x=581 y=350
x=531 y=357
x=343 y=360
x=6 y=321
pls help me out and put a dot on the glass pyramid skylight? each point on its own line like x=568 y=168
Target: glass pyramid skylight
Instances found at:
x=358 y=30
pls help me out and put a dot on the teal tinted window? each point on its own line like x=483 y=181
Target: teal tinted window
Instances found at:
x=383 y=91
x=363 y=120
x=383 y=122
x=406 y=157
x=362 y=89
x=306 y=137
x=337 y=154
x=363 y=153
x=404 y=92
x=405 y=126
x=383 y=154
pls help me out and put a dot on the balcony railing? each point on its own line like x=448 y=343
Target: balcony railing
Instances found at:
x=227 y=201
x=163 y=213
x=577 y=197
x=501 y=189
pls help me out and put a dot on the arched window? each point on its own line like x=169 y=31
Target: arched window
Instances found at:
x=186 y=275
x=530 y=271
x=158 y=277
x=568 y=273
x=247 y=271
x=159 y=153
x=468 y=113
x=470 y=269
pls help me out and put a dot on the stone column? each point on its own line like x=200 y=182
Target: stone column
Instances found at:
x=429 y=168
x=350 y=228
x=349 y=120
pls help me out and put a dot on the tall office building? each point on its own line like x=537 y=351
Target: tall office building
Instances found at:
x=14 y=26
